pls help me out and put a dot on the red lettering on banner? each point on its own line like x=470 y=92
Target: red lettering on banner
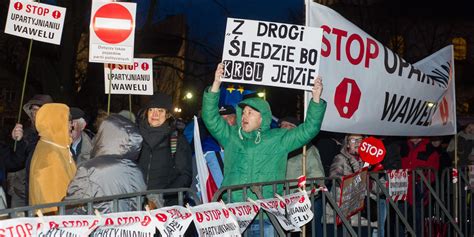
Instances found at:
x=161 y=217
x=212 y=215
x=368 y=48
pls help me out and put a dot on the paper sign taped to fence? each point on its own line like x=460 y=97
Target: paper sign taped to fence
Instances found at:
x=171 y=221
x=134 y=79
x=37 y=21
x=298 y=207
x=353 y=192
x=245 y=212
x=136 y=223
x=214 y=219
x=272 y=54
x=19 y=227
x=71 y=226
x=398 y=184
x=277 y=208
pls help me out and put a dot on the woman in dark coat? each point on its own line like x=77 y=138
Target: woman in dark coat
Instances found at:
x=166 y=155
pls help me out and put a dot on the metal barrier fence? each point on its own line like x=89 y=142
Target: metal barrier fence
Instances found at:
x=435 y=210
x=438 y=206
x=65 y=207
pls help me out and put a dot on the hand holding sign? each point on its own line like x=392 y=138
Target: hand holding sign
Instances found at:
x=317 y=89
x=217 y=78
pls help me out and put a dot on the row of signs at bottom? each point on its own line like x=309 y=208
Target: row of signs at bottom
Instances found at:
x=211 y=219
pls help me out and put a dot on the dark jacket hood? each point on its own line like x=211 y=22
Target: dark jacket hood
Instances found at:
x=117 y=136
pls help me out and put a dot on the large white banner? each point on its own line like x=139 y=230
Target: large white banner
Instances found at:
x=371 y=90
x=214 y=219
x=272 y=54
x=134 y=79
x=37 y=21
x=71 y=226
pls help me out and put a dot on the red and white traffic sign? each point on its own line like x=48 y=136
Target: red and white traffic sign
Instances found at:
x=112 y=32
x=372 y=150
x=37 y=21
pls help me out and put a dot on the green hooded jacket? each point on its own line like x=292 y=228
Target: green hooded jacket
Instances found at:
x=261 y=155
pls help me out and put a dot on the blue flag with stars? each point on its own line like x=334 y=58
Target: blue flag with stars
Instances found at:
x=233 y=94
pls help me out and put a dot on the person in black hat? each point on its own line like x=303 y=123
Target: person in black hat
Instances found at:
x=165 y=157
x=81 y=143
x=228 y=113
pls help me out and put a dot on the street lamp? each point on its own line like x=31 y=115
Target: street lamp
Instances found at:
x=177 y=110
x=188 y=95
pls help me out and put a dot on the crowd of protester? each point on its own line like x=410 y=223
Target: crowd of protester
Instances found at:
x=57 y=157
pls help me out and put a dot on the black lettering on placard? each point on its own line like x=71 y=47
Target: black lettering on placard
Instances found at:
x=280 y=31
x=309 y=56
x=238 y=70
x=248 y=71
x=264 y=51
x=239 y=24
x=294 y=75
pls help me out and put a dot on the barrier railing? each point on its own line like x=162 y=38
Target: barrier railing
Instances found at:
x=66 y=206
x=438 y=206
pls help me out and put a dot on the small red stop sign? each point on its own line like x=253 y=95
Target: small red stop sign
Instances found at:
x=372 y=150
x=113 y=23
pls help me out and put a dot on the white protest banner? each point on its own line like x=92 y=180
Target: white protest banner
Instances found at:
x=71 y=226
x=214 y=219
x=398 y=184
x=37 y=21
x=171 y=221
x=244 y=212
x=298 y=206
x=272 y=54
x=277 y=208
x=440 y=66
x=137 y=223
x=371 y=90
x=112 y=32
x=19 y=227
x=353 y=192
x=134 y=79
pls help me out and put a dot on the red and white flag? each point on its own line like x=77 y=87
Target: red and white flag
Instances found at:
x=207 y=185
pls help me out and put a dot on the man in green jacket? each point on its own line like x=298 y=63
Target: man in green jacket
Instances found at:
x=253 y=152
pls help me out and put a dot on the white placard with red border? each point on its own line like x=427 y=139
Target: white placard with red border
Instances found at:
x=245 y=212
x=134 y=79
x=171 y=221
x=277 y=208
x=272 y=54
x=136 y=223
x=112 y=32
x=214 y=219
x=298 y=207
x=371 y=90
x=37 y=21
x=19 y=227
x=71 y=226
x=398 y=184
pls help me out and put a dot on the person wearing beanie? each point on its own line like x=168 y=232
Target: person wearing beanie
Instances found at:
x=165 y=157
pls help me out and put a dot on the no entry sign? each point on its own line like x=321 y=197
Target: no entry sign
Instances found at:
x=112 y=32
x=37 y=21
